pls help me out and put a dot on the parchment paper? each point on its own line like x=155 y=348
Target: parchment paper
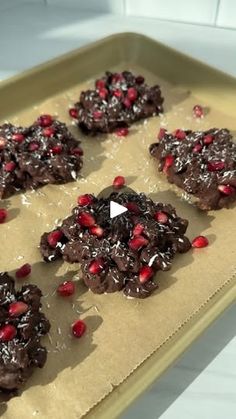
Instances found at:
x=121 y=333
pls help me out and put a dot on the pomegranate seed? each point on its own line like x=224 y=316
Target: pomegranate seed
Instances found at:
x=179 y=134
x=139 y=79
x=96 y=231
x=208 y=139
x=33 y=146
x=7 y=332
x=17 y=308
x=66 y=289
x=117 y=77
x=197 y=148
x=198 y=111
x=97 y=114
x=3 y=215
x=23 y=271
x=226 y=189
x=96 y=266
x=78 y=328
x=145 y=274
x=73 y=112
x=85 y=200
x=118 y=93
x=122 y=132
x=200 y=241
x=161 y=133
x=103 y=93
x=48 y=132
x=85 y=219
x=138 y=229
x=137 y=242
x=132 y=207
x=77 y=151
x=169 y=161
x=127 y=103
x=100 y=84
x=45 y=120
x=2 y=143
x=56 y=149
x=10 y=166
x=18 y=137
x=215 y=166
x=54 y=237
x=132 y=94
x=161 y=217
x=118 y=182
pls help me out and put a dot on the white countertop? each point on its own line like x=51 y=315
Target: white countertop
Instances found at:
x=202 y=384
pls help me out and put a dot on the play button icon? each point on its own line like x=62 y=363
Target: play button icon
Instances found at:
x=116 y=209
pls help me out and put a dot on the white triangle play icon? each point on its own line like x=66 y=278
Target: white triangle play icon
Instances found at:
x=116 y=209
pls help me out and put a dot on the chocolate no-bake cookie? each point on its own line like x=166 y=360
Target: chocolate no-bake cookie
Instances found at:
x=123 y=252
x=118 y=100
x=203 y=163
x=21 y=326
x=45 y=152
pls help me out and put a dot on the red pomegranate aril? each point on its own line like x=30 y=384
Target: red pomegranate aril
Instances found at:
x=117 y=78
x=118 y=93
x=84 y=200
x=161 y=133
x=66 y=289
x=118 y=182
x=23 y=271
x=19 y=138
x=169 y=161
x=45 y=120
x=161 y=217
x=215 y=166
x=54 y=237
x=77 y=151
x=132 y=94
x=33 y=146
x=85 y=219
x=137 y=242
x=122 y=132
x=17 y=308
x=200 y=241
x=73 y=112
x=2 y=143
x=97 y=114
x=96 y=231
x=78 y=328
x=56 y=149
x=3 y=215
x=132 y=207
x=100 y=84
x=103 y=93
x=48 y=132
x=139 y=79
x=138 y=230
x=7 y=332
x=198 y=111
x=226 y=189
x=127 y=103
x=145 y=274
x=10 y=166
x=179 y=134
x=96 y=266
x=197 y=148
x=208 y=139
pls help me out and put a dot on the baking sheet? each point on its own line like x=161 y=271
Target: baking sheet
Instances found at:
x=122 y=333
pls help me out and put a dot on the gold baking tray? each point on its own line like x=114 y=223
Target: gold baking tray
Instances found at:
x=203 y=285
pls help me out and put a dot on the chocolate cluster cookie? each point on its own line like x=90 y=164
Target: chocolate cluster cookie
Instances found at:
x=118 y=100
x=123 y=252
x=203 y=163
x=21 y=326
x=45 y=152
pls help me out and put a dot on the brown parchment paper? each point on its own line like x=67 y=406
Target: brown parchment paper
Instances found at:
x=121 y=333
